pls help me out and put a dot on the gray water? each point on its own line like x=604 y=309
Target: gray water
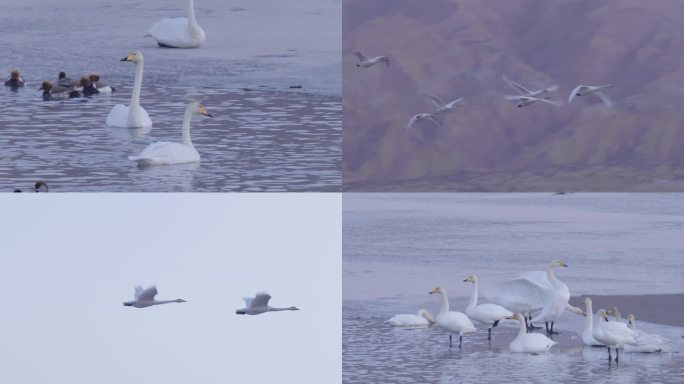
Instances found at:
x=397 y=247
x=265 y=135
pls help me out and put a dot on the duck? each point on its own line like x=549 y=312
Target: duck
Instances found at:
x=259 y=304
x=101 y=86
x=528 y=342
x=422 y=319
x=52 y=92
x=164 y=153
x=180 y=32
x=487 y=314
x=365 y=62
x=87 y=87
x=15 y=80
x=452 y=321
x=65 y=81
x=144 y=298
x=132 y=115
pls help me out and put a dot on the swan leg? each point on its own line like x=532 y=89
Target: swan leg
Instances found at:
x=460 y=341
x=495 y=324
x=449 y=341
x=609 y=356
x=617 y=354
x=489 y=334
x=552 y=332
x=530 y=326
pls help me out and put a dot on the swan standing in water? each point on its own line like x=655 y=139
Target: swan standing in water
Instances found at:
x=586 y=90
x=612 y=334
x=179 y=32
x=422 y=319
x=558 y=295
x=365 y=62
x=588 y=333
x=487 y=314
x=145 y=298
x=440 y=106
x=133 y=115
x=647 y=342
x=259 y=305
x=164 y=153
x=452 y=321
x=529 y=342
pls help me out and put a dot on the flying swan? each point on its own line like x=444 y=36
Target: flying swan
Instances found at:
x=145 y=298
x=440 y=106
x=586 y=90
x=133 y=115
x=365 y=62
x=452 y=321
x=165 y=153
x=179 y=32
x=422 y=116
x=259 y=304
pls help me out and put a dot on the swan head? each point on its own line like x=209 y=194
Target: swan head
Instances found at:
x=293 y=308
x=602 y=314
x=558 y=263
x=41 y=186
x=630 y=320
x=587 y=301
x=470 y=279
x=437 y=290
x=46 y=86
x=14 y=74
x=614 y=311
x=129 y=303
x=180 y=301
x=135 y=57
x=427 y=316
x=199 y=109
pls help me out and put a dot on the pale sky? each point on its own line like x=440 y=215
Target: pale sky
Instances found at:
x=68 y=262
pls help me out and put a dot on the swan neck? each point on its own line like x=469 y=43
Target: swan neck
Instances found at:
x=589 y=322
x=445 y=302
x=523 y=329
x=551 y=276
x=186 y=126
x=137 y=84
x=473 y=297
x=191 y=14
x=156 y=302
x=279 y=309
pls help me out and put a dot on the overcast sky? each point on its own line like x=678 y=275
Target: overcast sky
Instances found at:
x=68 y=262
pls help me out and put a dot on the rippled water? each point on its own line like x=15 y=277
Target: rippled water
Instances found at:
x=265 y=136
x=397 y=247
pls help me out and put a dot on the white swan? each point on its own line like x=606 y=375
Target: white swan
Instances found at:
x=524 y=101
x=529 y=342
x=365 y=62
x=423 y=116
x=612 y=334
x=588 y=333
x=558 y=295
x=180 y=32
x=540 y=93
x=486 y=314
x=440 y=106
x=586 y=90
x=452 y=321
x=422 y=319
x=133 y=115
x=647 y=342
x=259 y=304
x=39 y=186
x=164 y=153
x=145 y=298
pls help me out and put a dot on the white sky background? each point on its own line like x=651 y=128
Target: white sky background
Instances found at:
x=68 y=262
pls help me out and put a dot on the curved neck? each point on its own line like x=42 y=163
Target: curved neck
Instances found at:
x=137 y=84
x=473 y=297
x=523 y=328
x=192 y=22
x=186 y=126
x=589 y=322
x=552 y=278
x=445 y=302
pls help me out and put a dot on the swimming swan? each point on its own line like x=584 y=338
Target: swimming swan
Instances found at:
x=529 y=342
x=259 y=304
x=612 y=334
x=647 y=342
x=452 y=321
x=365 y=62
x=180 y=32
x=133 y=115
x=487 y=314
x=422 y=319
x=588 y=333
x=145 y=298
x=164 y=153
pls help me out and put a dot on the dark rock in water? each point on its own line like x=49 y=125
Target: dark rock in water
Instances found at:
x=559 y=193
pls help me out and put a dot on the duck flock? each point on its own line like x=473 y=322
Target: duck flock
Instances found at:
x=182 y=32
x=524 y=96
x=536 y=296
x=145 y=297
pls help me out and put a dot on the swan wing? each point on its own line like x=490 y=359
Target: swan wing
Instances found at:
x=148 y=294
x=411 y=121
x=260 y=300
x=118 y=116
x=517 y=97
x=173 y=32
x=604 y=98
x=361 y=56
x=519 y=295
x=522 y=90
x=434 y=99
x=552 y=102
x=435 y=120
x=407 y=320
x=248 y=301
x=166 y=153
x=573 y=93
x=138 y=290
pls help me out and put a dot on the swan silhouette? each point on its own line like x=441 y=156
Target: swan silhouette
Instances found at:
x=145 y=298
x=259 y=304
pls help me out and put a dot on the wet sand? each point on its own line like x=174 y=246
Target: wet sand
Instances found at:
x=659 y=309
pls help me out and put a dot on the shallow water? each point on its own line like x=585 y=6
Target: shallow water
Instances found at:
x=265 y=136
x=397 y=247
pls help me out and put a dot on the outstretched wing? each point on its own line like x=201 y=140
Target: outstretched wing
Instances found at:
x=361 y=56
x=552 y=102
x=148 y=294
x=604 y=98
x=517 y=98
x=522 y=90
x=573 y=93
x=260 y=300
x=385 y=59
x=412 y=121
x=138 y=291
x=434 y=99
x=434 y=119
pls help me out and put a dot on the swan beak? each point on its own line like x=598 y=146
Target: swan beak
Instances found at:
x=465 y=281
x=433 y=291
x=510 y=318
x=204 y=112
x=125 y=59
x=564 y=265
